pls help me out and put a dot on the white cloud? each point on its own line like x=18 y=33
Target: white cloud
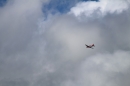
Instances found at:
x=101 y=8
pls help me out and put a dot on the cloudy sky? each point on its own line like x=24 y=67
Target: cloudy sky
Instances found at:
x=42 y=42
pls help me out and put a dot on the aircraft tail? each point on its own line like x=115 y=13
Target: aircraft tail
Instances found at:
x=93 y=45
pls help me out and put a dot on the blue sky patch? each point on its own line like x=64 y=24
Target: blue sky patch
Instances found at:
x=61 y=6
x=2 y=2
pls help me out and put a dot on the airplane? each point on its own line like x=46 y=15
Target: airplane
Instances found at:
x=90 y=46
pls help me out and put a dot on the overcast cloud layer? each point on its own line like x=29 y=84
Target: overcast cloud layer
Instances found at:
x=40 y=50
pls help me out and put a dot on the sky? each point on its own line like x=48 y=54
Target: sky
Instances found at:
x=42 y=42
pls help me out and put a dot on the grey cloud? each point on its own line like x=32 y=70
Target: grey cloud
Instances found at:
x=18 y=49
x=109 y=33
x=66 y=37
x=14 y=83
x=106 y=69
x=34 y=52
